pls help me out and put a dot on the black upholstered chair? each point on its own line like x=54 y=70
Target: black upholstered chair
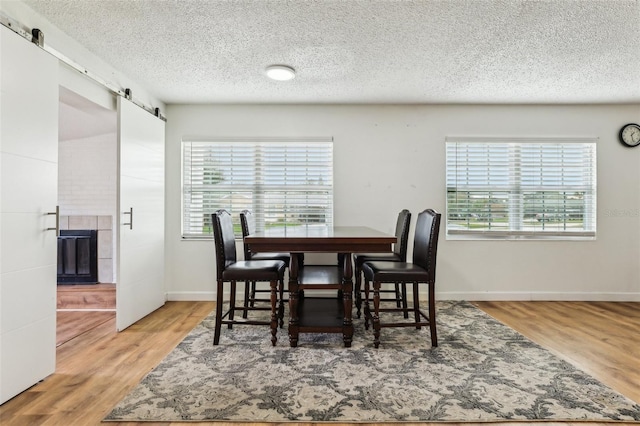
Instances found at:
x=399 y=254
x=247 y=223
x=229 y=269
x=421 y=271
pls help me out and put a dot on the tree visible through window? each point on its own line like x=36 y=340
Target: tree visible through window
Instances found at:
x=284 y=183
x=535 y=188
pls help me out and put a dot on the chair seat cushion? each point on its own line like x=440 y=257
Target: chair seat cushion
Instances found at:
x=271 y=256
x=254 y=270
x=394 y=272
x=360 y=258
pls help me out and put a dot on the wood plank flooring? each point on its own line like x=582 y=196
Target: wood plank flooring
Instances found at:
x=86 y=296
x=82 y=307
x=98 y=368
x=71 y=324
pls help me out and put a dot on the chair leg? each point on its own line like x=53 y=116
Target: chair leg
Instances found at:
x=253 y=294
x=247 y=289
x=274 y=311
x=232 y=304
x=281 y=303
x=416 y=305
x=432 y=315
x=376 y=314
x=219 y=296
x=398 y=295
x=405 y=309
x=367 y=309
x=358 y=289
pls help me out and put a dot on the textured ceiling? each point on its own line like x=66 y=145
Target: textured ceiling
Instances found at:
x=368 y=51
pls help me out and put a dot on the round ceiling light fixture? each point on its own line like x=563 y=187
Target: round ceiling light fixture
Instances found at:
x=280 y=72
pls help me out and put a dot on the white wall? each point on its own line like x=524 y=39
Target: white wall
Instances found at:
x=391 y=157
x=87 y=176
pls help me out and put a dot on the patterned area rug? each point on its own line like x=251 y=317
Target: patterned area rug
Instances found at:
x=481 y=371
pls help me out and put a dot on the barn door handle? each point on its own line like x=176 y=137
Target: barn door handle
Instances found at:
x=57 y=214
x=130 y=213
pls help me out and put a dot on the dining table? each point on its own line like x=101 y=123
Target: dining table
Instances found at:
x=320 y=314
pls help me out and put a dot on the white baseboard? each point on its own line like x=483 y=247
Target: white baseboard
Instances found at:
x=541 y=296
x=201 y=296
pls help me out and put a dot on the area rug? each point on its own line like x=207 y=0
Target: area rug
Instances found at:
x=482 y=371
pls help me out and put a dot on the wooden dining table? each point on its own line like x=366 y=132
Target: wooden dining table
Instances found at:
x=320 y=314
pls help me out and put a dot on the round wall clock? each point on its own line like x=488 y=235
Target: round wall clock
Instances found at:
x=630 y=135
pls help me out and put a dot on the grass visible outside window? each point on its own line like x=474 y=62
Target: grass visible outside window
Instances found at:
x=534 y=188
x=283 y=182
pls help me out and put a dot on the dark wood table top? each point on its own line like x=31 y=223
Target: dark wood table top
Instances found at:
x=320 y=239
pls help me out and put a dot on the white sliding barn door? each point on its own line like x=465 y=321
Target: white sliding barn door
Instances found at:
x=28 y=192
x=140 y=258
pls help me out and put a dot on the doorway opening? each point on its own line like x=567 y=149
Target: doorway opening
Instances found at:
x=87 y=198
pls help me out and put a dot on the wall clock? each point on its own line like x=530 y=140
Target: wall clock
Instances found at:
x=630 y=135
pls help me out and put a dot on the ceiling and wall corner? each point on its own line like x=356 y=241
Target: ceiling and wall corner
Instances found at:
x=375 y=51
x=56 y=38
x=80 y=118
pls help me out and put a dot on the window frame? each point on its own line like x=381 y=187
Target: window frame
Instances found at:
x=514 y=206
x=255 y=185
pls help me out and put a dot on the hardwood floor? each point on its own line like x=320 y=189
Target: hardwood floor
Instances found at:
x=86 y=296
x=71 y=324
x=95 y=370
x=83 y=307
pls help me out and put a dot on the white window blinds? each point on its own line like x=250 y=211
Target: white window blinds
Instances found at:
x=499 y=188
x=282 y=182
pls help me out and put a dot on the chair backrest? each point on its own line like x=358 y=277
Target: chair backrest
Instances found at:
x=402 y=234
x=225 y=240
x=248 y=227
x=425 y=242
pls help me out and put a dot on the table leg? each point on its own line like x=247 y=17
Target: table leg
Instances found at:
x=347 y=297
x=294 y=321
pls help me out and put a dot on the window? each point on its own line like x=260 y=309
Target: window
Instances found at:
x=283 y=182
x=521 y=188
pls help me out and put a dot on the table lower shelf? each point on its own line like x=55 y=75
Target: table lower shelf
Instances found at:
x=320 y=277
x=320 y=315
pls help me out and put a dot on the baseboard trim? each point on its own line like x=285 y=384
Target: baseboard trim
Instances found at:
x=541 y=296
x=202 y=296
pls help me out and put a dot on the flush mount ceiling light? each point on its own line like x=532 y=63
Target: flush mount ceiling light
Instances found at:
x=280 y=72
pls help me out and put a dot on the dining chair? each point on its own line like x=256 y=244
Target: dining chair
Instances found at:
x=229 y=269
x=421 y=271
x=247 y=223
x=399 y=254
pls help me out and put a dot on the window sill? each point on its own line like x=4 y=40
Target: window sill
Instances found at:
x=485 y=236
